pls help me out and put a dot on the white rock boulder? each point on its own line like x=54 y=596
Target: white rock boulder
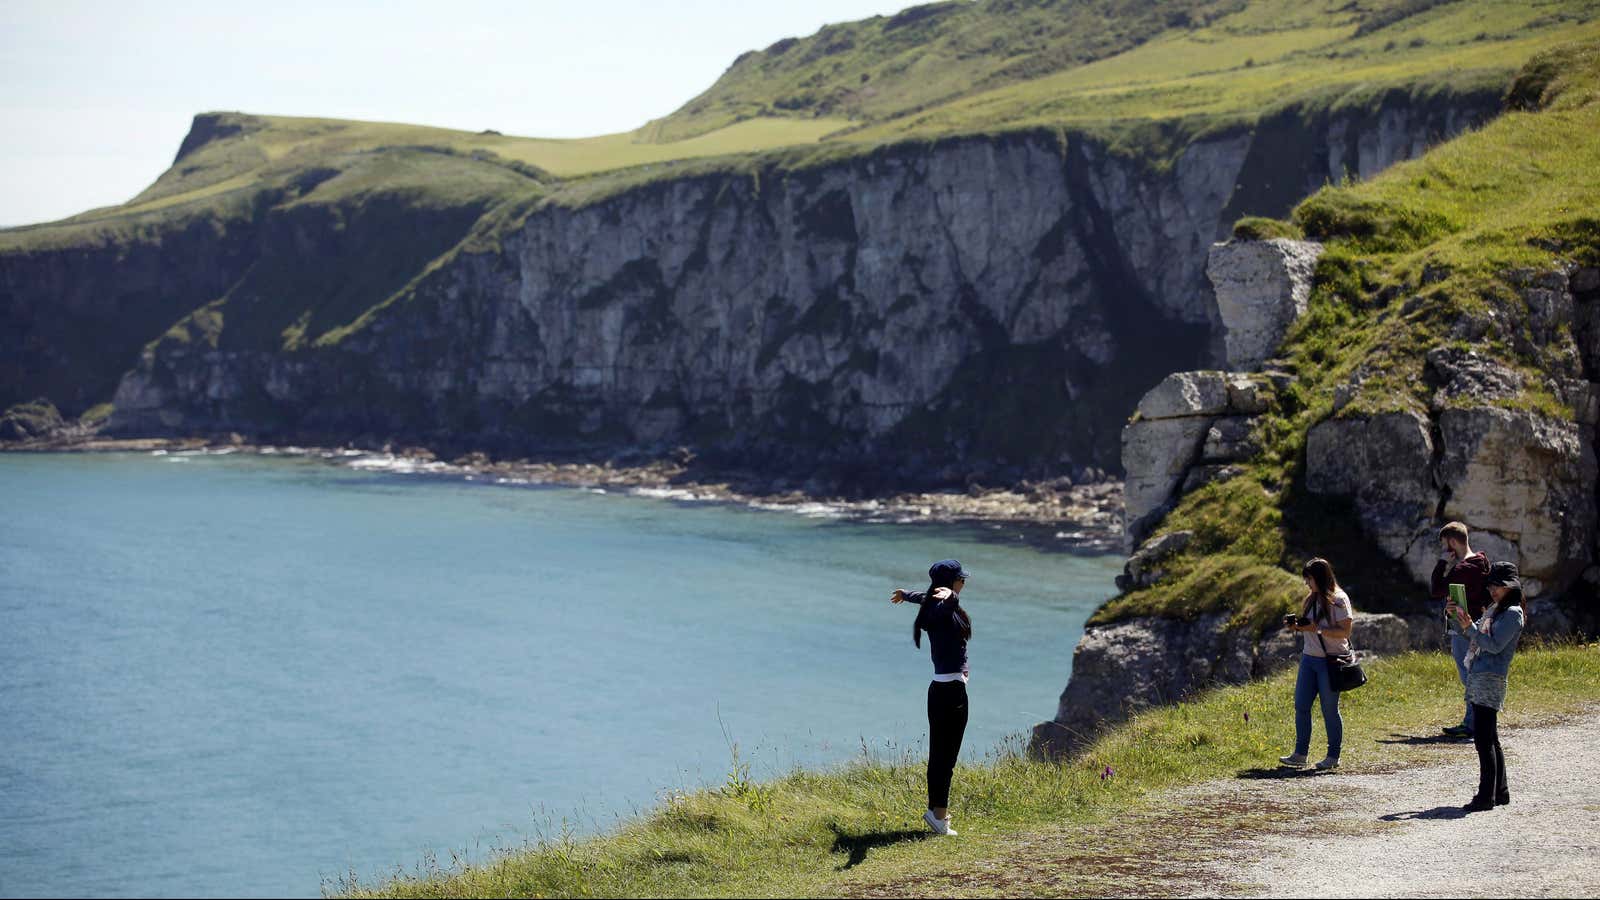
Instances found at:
x=1261 y=288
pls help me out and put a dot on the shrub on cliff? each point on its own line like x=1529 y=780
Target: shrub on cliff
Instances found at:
x=1261 y=228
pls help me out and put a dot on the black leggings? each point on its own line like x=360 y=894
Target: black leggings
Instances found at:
x=1491 y=762
x=947 y=722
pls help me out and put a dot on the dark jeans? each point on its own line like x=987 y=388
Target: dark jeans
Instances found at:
x=1459 y=645
x=947 y=722
x=1491 y=762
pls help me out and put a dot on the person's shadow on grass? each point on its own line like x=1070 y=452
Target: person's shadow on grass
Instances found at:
x=1438 y=812
x=857 y=845
x=1414 y=739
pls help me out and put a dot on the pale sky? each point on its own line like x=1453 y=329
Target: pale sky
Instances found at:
x=95 y=97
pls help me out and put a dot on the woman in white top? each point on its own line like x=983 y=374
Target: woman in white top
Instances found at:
x=1326 y=621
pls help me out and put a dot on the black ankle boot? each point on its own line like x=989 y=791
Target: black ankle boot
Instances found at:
x=1478 y=804
x=1502 y=800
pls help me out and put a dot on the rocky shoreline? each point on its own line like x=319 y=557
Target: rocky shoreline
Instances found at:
x=1055 y=514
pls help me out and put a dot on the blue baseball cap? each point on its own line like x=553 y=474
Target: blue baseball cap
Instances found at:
x=945 y=572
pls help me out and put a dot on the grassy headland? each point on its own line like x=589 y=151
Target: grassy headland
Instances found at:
x=819 y=833
x=1410 y=254
x=1110 y=66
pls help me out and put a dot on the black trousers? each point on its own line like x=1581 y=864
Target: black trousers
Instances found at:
x=947 y=722
x=1491 y=762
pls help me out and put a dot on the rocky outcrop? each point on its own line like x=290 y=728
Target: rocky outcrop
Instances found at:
x=1123 y=667
x=34 y=421
x=1186 y=432
x=1261 y=288
x=1190 y=429
x=1526 y=478
x=1143 y=568
x=1385 y=462
x=1522 y=479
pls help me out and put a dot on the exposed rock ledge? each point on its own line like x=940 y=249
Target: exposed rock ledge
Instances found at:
x=1126 y=666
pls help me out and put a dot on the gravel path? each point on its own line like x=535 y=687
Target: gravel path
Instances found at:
x=1393 y=831
x=1402 y=833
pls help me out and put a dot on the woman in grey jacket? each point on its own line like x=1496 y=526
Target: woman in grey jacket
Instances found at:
x=1494 y=641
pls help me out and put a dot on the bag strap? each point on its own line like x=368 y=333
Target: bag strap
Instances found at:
x=1350 y=653
x=1351 y=640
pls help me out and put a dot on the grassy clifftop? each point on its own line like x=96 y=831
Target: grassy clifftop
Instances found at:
x=1410 y=254
x=975 y=66
x=1112 y=66
x=832 y=833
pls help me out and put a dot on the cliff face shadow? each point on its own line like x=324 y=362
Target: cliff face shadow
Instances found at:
x=1280 y=772
x=1438 y=812
x=1414 y=739
x=857 y=845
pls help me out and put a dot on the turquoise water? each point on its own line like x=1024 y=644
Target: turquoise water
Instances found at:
x=240 y=675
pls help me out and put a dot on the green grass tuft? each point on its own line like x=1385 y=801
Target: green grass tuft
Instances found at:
x=1260 y=228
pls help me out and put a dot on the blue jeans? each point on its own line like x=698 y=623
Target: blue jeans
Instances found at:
x=1316 y=681
x=1458 y=651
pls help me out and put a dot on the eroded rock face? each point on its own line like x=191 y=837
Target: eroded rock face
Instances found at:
x=1144 y=567
x=956 y=303
x=1528 y=479
x=1120 y=668
x=1386 y=463
x=1261 y=288
x=1521 y=479
x=1157 y=454
x=1189 y=427
x=1380 y=634
x=1230 y=439
x=1186 y=394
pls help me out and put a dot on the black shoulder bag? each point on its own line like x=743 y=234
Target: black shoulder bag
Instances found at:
x=1344 y=671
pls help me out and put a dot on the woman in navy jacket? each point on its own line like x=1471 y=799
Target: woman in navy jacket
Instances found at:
x=949 y=627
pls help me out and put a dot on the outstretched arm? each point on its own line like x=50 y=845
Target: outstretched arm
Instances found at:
x=919 y=597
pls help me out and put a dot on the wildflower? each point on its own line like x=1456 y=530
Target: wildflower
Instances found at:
x=1247 y=718
x=1107 y=773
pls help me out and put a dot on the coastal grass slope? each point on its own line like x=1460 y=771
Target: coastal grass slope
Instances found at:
x=974 y=66
x=831 y=832
x=1412 y=253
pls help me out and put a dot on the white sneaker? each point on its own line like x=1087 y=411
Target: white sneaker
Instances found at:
x=1326 y=763
x=1297 y=760
x=939 y=826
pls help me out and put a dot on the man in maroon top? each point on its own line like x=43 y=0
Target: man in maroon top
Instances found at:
x=1458 y=564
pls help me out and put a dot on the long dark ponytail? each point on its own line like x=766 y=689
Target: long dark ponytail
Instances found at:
x=962 y=618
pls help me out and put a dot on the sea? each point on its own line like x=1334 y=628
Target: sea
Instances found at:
x=235 y=674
